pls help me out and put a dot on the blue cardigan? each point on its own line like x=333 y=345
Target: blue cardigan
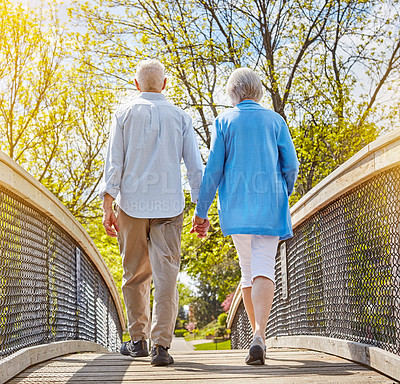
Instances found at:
x=254 y=166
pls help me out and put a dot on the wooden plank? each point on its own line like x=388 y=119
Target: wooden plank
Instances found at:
x=282 y=366
x=383 y=361
x=17 y=362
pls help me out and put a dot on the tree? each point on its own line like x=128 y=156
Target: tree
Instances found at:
x=76 y=167
x=55 y=114
x=308 y=53
x=205 y=306
x=29 y=72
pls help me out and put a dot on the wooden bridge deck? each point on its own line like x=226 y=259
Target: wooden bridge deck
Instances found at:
x=222 y=367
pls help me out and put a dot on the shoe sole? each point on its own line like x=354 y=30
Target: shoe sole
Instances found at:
x=256 y=356
x=139 y=354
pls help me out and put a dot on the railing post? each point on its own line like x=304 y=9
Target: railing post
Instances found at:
x=78 y=287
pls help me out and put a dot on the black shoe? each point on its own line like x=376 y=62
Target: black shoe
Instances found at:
x=135 y=348
x=256 y=354
x=160 y=356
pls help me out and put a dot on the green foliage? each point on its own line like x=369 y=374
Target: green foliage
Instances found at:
x=213 y=262
x=185 y=294
x=222 y=319
x=207 y=330
x=54 y=110
x=108 y=248
x=30 y=57
x=323 y=65
x=180 y=332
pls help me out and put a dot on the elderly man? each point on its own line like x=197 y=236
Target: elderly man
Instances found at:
x=149 y=138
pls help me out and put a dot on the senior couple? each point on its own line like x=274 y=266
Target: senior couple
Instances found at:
x=253 y=165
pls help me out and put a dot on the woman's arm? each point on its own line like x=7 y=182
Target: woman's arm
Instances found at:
x=287 y=156
x=213 y=172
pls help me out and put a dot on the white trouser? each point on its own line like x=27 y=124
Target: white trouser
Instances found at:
x=256 y=256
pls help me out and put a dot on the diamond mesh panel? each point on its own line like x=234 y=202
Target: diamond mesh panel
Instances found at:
x=343 y=268
x=44 y=295
x=87 y=283
x=102 y=314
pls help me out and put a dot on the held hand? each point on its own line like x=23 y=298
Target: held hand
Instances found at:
x=200 y=226
x=202 y=229
x=110 y=223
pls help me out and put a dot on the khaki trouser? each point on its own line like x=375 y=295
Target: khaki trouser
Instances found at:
x=150 y=247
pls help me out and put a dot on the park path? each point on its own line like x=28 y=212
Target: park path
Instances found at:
x=179 y=344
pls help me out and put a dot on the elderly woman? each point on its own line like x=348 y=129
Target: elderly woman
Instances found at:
x=253 y=165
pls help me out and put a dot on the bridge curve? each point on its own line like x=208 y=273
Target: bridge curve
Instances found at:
x=57 y=295
x=338 y=278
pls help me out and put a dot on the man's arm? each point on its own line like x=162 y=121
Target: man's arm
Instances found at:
x=114 y=162
x=110 y=186
x=109 y=218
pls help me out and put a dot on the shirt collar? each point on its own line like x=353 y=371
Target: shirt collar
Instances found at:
x=246 y=104
x=152 y=96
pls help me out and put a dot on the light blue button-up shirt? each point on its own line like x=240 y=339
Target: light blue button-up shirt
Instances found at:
x=253 y=164
x=149 y=138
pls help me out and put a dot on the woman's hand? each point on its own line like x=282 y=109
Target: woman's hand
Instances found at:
x=200 y=226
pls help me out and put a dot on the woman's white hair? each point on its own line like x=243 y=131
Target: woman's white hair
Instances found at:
x=244 y=84
x=150 y=75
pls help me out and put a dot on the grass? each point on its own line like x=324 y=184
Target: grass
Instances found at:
x=209 y=346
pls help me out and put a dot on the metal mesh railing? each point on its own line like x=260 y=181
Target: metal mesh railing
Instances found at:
x=343 y=271
x=50 y=290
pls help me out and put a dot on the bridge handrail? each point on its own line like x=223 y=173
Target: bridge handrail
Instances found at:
x=57 y=295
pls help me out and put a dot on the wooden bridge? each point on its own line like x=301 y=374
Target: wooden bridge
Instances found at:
x=336 y=311
x=297 y=366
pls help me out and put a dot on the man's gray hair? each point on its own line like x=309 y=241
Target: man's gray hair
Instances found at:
x=150 y=75
x=243 y=84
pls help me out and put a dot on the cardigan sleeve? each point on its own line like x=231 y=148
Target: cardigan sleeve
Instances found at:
x=213 y=172
x=192 y=159
x=287 y=156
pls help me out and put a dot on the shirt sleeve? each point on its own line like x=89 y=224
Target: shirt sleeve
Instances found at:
x=191 y=157
x=114 y=162
x=287 y=156
x=213 y=172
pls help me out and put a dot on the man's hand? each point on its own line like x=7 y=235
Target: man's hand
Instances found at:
x=110 y=223
x=200 y=226
x=109 y=218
